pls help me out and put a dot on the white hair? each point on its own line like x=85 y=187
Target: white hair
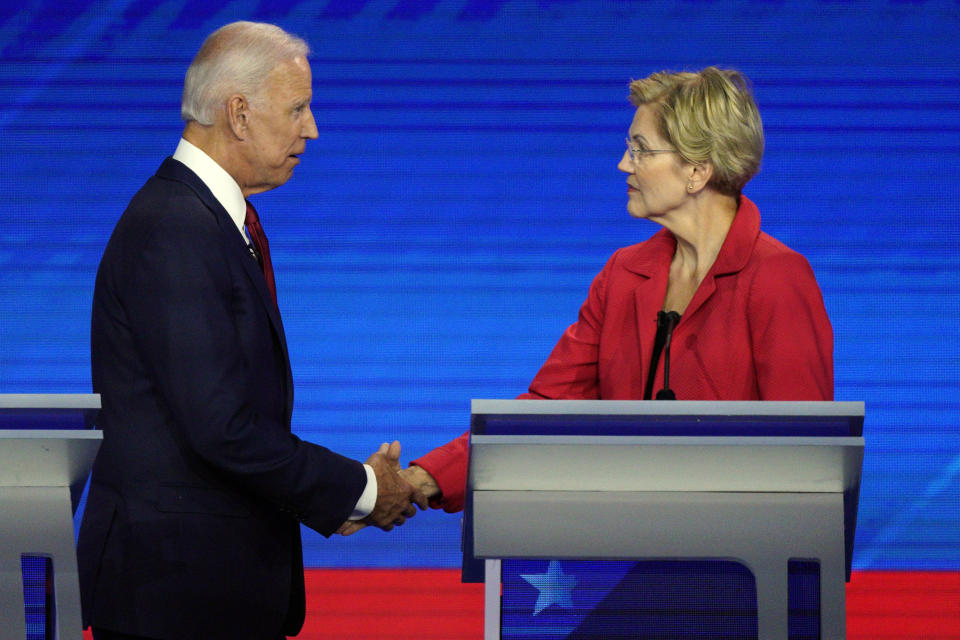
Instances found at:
x=236 y=58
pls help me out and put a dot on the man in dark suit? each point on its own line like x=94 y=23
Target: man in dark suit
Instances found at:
x=191 y=528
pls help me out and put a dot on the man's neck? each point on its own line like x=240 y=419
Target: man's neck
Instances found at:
x=212 y=142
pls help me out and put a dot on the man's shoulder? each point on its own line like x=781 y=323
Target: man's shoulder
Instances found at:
x=171 y=197
x=166 y=212
x=173 y=181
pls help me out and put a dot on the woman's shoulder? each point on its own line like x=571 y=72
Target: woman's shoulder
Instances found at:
x=774 y=266
x=769 y=250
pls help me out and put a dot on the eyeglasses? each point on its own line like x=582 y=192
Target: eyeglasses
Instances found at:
x=639 y=153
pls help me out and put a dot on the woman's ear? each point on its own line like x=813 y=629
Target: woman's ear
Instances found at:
x=698 y=176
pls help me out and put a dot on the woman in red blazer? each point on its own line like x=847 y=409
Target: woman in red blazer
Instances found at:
x=752 y=322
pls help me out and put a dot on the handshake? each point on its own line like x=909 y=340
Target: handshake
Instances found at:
x=398 y=490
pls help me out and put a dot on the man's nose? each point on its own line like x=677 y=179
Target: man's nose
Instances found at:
x=310 y=126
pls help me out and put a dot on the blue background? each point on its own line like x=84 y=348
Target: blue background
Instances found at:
x=445 y=227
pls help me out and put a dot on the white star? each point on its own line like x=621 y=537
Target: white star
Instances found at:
x=555 y=587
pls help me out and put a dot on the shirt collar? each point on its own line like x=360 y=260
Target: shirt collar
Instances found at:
x=223 y=187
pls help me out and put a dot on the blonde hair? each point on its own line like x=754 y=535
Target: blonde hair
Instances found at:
x=707 y=115
x=236 y=58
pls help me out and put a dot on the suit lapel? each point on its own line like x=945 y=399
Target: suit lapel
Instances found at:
x=255 y=273
x=174 y=170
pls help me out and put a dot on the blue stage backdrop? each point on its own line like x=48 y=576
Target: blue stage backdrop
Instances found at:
x=445 y=227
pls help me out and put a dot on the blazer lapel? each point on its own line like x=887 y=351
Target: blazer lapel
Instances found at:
x=734 y=254
x=653 y=266
x=174 y=170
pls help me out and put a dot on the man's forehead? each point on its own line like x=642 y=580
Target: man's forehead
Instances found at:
x=293 y=73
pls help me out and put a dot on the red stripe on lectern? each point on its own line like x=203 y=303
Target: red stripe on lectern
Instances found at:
x=432 y=604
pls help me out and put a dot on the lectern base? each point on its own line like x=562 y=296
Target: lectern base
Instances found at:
x=36 y=521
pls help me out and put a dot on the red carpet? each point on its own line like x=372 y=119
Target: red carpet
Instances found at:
x=903 y=605
x=432 y=604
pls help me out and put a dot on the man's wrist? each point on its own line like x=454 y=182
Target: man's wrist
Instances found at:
x=368 y=499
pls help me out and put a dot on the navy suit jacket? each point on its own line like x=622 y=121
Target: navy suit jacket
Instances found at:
x=191 y=527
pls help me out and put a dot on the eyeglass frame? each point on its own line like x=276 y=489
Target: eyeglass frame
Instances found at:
x=636 y=153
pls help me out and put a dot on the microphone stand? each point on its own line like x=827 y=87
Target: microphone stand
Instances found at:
x=671 y=318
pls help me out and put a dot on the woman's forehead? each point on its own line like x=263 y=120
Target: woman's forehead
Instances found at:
x=644 y=124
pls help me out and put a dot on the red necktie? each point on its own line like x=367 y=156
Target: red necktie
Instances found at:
x=259 y=239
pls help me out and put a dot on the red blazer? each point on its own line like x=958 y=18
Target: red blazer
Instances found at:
x=756 y=329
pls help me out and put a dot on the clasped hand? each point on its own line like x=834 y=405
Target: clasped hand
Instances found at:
x=395 y=496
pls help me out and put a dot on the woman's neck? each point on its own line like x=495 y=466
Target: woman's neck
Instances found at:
x=700 y=231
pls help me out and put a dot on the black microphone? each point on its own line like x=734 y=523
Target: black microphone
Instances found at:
x=668 y=319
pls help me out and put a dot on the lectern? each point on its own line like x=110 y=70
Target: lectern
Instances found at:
x=761 y=483
x=46 y=451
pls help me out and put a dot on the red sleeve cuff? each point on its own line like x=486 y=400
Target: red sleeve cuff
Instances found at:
x=448 y=466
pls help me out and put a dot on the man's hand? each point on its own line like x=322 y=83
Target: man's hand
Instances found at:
x=395 y=496
x=416 y=476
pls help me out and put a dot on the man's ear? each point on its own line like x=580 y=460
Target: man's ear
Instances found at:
x=238 y=114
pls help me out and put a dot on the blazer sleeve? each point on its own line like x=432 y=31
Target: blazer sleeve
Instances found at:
x=570 y=372
x=183 y=309
x=448 y=466
x=792 y=340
